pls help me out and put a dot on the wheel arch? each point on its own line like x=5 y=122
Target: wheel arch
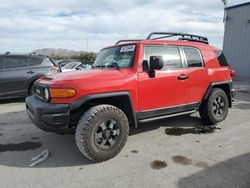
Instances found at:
x=31 y=81
x=121 y=100
x=225 y=86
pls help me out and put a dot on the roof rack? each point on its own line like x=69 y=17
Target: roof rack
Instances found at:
x=128 y=40
x=183 y=36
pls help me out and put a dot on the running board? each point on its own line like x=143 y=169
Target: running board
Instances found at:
x=166 y=116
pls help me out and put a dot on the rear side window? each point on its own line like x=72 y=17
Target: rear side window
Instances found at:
x=170 y=55
x=34 y=61
x=221 y=57
x=193 y=57
x=14 y=62
x=47 y=62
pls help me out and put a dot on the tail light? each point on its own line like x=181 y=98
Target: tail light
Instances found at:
x=233 y=73
x=54 y=69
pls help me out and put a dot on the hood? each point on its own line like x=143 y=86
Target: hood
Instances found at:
x=91 y=75
x=87 y=82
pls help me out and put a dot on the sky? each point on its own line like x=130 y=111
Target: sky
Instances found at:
x=89 y=25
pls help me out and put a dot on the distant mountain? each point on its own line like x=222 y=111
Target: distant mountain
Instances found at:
x=58 y=52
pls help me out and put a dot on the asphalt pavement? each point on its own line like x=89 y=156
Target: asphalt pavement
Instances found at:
x=167 y=153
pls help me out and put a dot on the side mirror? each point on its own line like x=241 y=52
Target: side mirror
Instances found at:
x=145 y=66
x=155 y=63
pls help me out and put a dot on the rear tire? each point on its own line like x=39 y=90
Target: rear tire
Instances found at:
x=102 y=132
x=215 y=108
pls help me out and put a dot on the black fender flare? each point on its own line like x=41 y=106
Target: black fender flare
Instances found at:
x=75 y=105
x=32 y=80
x=228 y=91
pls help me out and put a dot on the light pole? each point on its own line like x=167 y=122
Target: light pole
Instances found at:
x=224 y=18
x=225 y=2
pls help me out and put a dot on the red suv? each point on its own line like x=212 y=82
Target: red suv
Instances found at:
x=133 y=81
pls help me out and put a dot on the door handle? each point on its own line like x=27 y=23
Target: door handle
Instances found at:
x=182 y=77
x=30 y=72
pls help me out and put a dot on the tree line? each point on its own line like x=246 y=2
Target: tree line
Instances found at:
x=83 y=57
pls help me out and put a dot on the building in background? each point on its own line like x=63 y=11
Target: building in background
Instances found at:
x=236 y=44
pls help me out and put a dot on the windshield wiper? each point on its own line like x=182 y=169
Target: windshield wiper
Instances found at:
x=99 y=66
x=114 y=65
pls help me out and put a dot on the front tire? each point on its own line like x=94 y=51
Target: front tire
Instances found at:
x=102 y=132
x=215 y=108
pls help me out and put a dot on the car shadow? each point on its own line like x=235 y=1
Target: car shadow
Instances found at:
x=242 y=105
x=234 y=172
x=15 y=100
x=243 y=95
x=181 y=125
x=20 y=140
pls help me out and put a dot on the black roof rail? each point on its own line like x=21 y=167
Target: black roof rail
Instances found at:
x=128 y=40
x=183 y=36
x=32 y=53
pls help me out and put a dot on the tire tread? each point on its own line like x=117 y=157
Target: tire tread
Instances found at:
x=86 y=121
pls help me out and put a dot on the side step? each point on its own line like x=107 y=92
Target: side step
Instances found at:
x=166 y=116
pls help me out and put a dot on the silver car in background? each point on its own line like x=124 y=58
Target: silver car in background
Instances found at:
x=75 y=66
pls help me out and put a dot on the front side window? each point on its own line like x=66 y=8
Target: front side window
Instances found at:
x=81 y=66
x=47 y=62
x=71 y=65
x=170 y=54
x=193 y=57
x=14 y=62
x=120 y=56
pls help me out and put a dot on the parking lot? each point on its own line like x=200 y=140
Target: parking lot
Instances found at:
x=166 y=153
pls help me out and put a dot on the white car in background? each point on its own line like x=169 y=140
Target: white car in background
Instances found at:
x=75 y=66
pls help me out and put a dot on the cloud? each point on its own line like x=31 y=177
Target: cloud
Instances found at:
x=27 y=25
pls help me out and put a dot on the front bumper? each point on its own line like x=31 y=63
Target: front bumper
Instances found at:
x=46 y=116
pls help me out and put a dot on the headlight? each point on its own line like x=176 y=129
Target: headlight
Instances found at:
x=46 y=94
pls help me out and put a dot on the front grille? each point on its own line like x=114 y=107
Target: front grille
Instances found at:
x=39 y=91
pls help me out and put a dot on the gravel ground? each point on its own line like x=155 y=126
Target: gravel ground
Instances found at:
x=167 y=153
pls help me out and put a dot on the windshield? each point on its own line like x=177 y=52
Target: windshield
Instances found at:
x=70 y=65
x=120 y=56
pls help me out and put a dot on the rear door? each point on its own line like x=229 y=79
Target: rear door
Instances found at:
x=14 y=75
x=35 y=66
x=196 y=72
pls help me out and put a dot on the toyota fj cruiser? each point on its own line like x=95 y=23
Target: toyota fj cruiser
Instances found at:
x=133 y=81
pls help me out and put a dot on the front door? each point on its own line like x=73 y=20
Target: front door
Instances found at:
x=167 y=92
